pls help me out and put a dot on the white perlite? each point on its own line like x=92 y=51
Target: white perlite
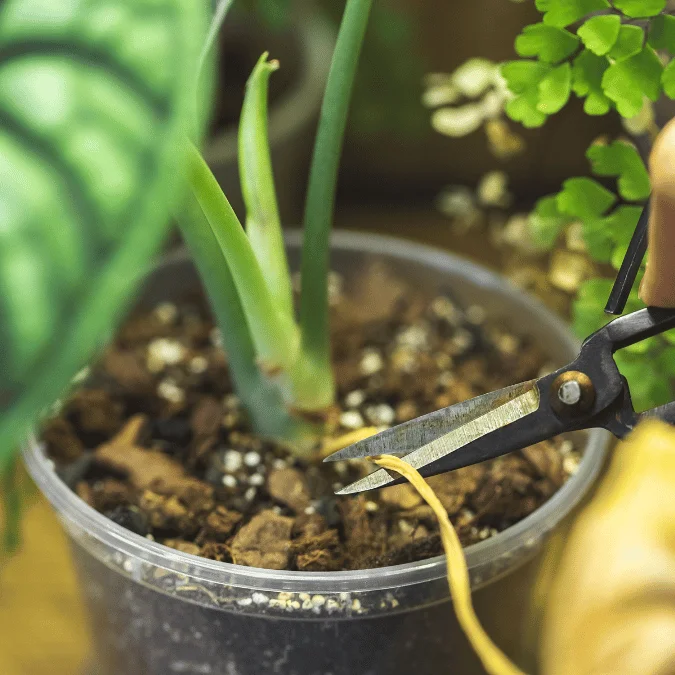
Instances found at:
x=163 y=352
x=169 y=390
x=232 y=461
x=371 y=362
x=354 y=398
x=252 y=458
x=381 y=414
x=166 y=312
x=351 y=420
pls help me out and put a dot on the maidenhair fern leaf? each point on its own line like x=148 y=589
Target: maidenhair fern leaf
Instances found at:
x=629 y=41
x=546 y=221
x=622 y=161
x=548 y=43
x=640 y=8
x=562 y=13
x=584 y=198
x=94 y=95
x=662 y=33
x=599 y=33
x=588 y=70
x=523 y=79
x=627 y=82
x=554 y=89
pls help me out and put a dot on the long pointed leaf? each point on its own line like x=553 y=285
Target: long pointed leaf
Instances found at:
x=316 y=381
x=263 y=224
x=274 y=333
x=260 y=396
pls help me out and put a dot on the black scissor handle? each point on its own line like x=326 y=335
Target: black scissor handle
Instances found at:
x=666 y=413
x=630 y=266
x=638 y=326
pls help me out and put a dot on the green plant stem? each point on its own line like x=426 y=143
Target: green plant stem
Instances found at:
x=275 y=335
x=205 y=79
x=315 y=384
x=263 y=224
x=11 y=497
x=220 y=13
x=259 y=395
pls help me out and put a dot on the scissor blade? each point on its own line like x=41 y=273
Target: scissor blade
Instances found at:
x=423 y=430
x=515 y=423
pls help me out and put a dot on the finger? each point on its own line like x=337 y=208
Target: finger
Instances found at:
x=610 y=607
x=658 y=286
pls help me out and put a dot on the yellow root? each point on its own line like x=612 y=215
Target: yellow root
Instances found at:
x=493 y=659
x=331 y=445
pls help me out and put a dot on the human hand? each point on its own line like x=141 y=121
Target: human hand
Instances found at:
x=658 y=285
x=611 y=606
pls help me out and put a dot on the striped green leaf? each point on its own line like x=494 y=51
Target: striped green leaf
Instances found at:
x=94 y=95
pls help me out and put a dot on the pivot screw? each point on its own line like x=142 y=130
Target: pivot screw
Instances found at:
x=569 y=392
x=572 y=392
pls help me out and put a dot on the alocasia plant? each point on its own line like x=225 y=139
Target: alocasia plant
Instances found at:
x=95 y=96
x=281 y=368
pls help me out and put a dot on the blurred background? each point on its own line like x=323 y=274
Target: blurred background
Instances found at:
x=399 y=176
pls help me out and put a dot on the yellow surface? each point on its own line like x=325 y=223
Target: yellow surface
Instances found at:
x=43 y=628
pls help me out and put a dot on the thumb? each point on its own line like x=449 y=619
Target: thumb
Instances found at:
x=610 y=607
x=658 y=285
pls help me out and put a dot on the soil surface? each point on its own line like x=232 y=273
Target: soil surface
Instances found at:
x=156 y=440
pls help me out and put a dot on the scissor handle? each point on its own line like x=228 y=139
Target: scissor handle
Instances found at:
x=630 y=266
x=666 y=413
x=633 y=328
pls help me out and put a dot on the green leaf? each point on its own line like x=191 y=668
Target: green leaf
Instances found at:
x=546 y=221
x=666 y=358
x=640 y=8
x=607 y=238
x=547 y=43
x=600 y=33
x=562 y=13
x=662 y=33
x=668 y=79
x=618 y=254
x=598 y=238
x=94 y=96
x=629 y=42
x=274 y=333
x=623 y=161
x=588 y=309
x=263 y=224
x=649 y=384
x=523 y=78
x=554 y=89
x=524 y=109
x=626 y=82
x=315 y=383
x=584 y=198
x=622 y=223
x=587 y=72
x=260 y=395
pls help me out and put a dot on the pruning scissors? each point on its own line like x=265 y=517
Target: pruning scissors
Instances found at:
x=590 y=392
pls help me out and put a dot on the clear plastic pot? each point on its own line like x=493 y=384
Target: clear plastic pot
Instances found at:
x=157 y=611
